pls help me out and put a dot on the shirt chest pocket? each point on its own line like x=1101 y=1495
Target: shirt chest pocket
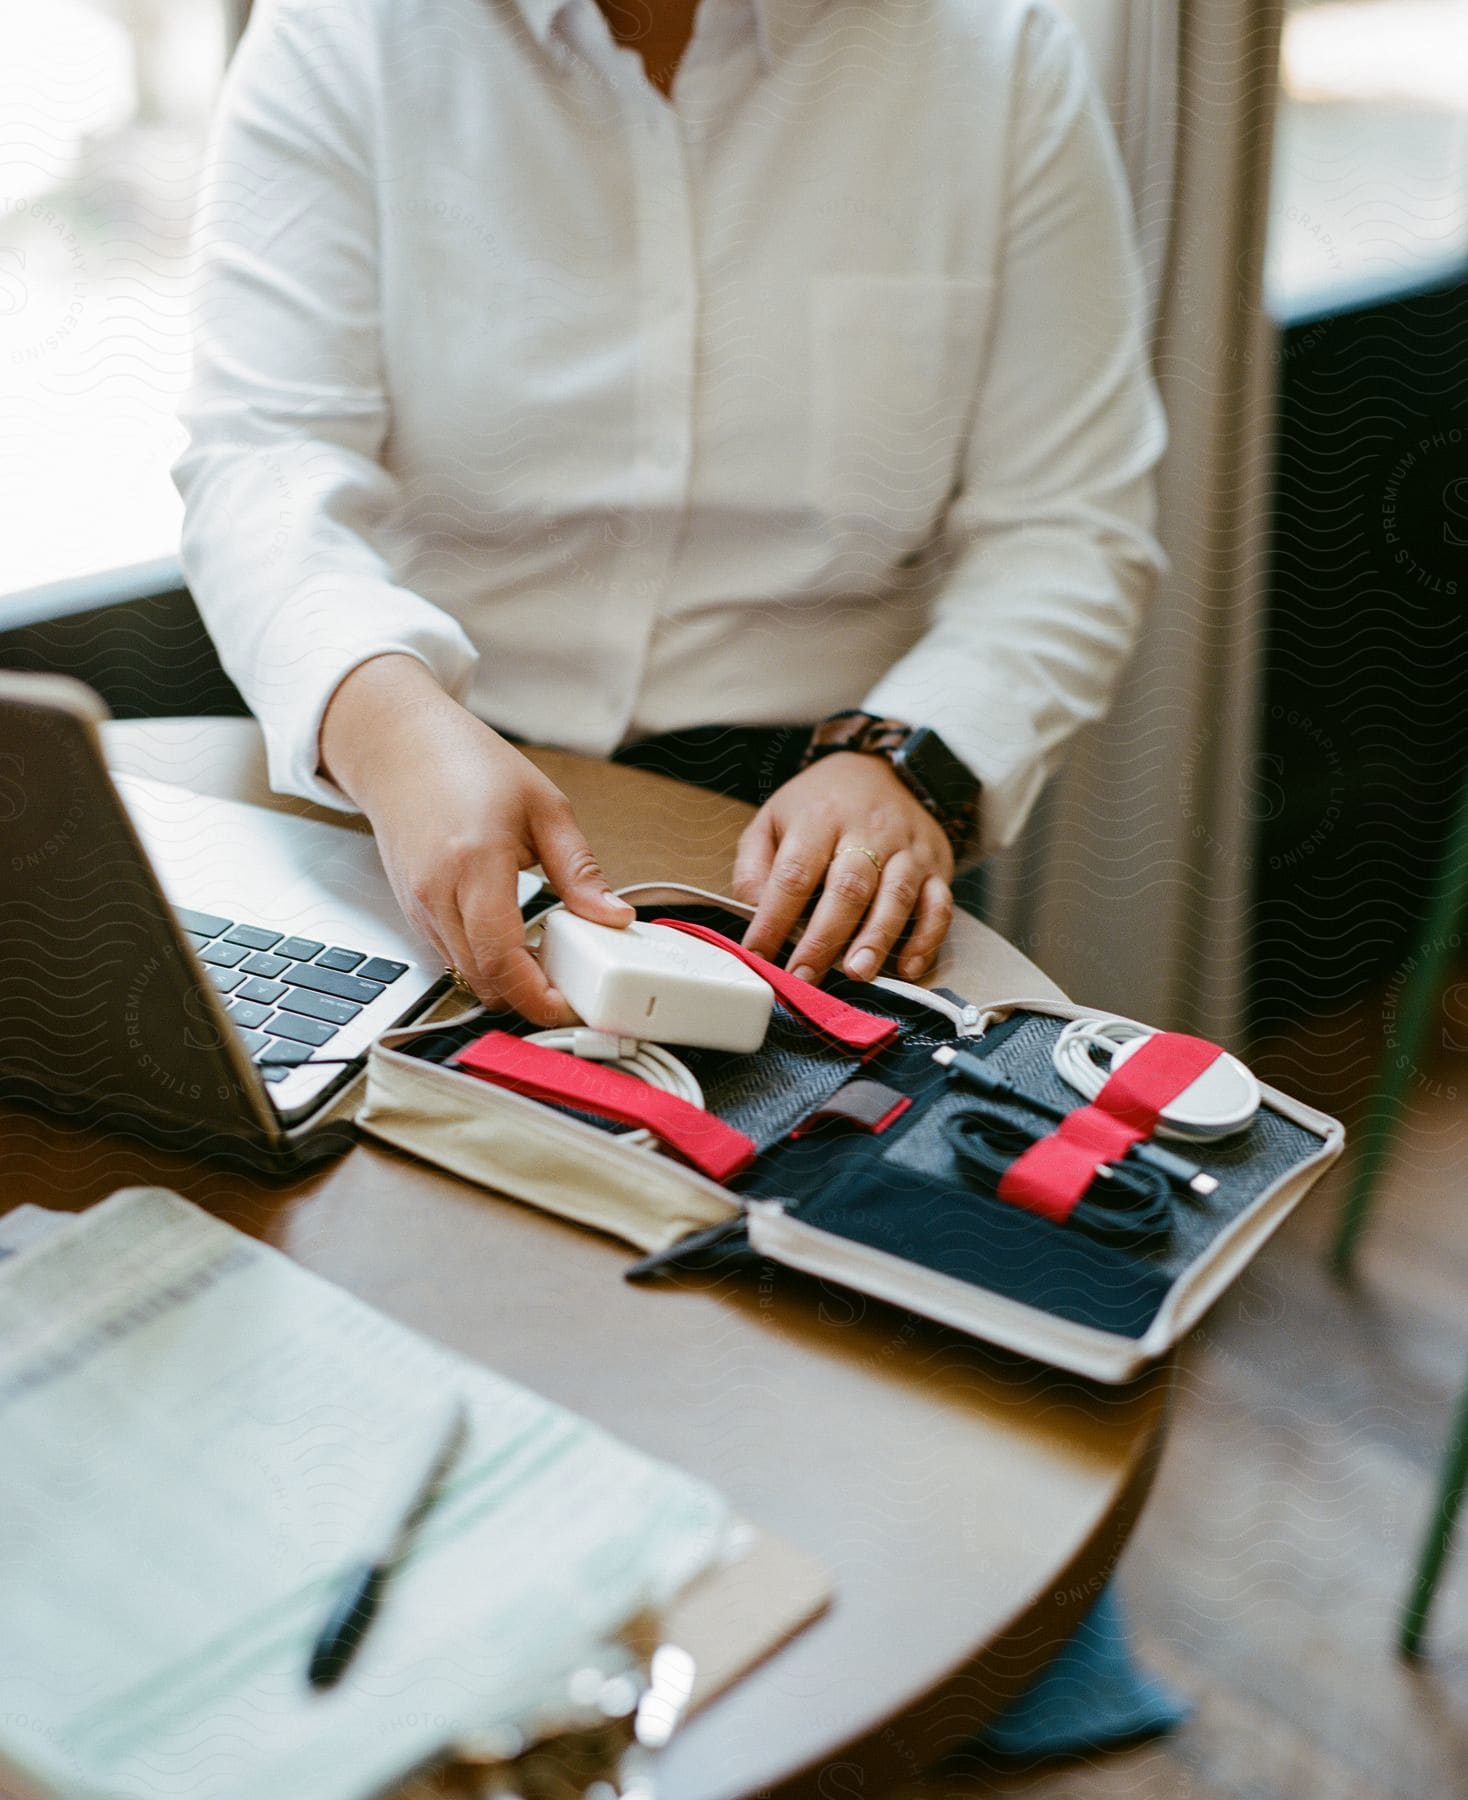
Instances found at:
x=894 y=369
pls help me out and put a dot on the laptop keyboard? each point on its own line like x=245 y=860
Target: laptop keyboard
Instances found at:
x=288 y=996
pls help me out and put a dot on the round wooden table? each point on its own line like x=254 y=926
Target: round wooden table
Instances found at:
x=969 y=1505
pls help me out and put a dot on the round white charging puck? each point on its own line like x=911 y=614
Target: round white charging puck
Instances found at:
x=1223 y=1099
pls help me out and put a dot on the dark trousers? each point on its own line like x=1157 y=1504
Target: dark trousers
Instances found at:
x=742 y=762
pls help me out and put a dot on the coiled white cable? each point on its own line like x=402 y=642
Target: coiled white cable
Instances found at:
x=1223 y=1100
x=651 y=1063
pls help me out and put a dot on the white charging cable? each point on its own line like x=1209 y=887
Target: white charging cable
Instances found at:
x=1223 y=1099
x=651 y=1063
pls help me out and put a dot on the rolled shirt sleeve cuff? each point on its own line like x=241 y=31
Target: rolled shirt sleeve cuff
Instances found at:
x=291 y=691
x=996 y=740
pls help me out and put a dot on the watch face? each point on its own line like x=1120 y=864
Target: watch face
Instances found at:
x=936 y=771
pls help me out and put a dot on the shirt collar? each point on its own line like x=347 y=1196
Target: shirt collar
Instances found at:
x=541 y=16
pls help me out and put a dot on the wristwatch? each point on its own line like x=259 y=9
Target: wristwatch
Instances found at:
x=939 y=780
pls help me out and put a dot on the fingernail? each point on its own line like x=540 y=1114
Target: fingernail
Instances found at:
x=863 y=965
x=804 y=973
x=913 y=966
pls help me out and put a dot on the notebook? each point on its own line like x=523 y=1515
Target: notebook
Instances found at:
x=195 y=1431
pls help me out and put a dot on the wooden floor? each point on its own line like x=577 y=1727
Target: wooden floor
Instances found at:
x=1265 y=1579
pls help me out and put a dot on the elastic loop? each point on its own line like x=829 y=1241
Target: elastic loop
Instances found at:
x=1052 y=1175
x=843 y=1024
x=544 y=1074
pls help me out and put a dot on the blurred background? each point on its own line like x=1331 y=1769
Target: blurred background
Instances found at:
x=1269 y=1572
x=104 y=105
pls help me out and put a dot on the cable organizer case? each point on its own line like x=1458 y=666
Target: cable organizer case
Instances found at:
x=885 y=1212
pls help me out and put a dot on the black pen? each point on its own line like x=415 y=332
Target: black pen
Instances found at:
x=401 y=1513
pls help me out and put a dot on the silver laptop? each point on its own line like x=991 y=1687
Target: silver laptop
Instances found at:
x=201 y=970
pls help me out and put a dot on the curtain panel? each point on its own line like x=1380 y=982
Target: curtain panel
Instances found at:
x=1132 y=885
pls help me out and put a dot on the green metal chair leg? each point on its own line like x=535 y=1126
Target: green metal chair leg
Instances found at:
x=1418 y=1003
x=1439 y=1539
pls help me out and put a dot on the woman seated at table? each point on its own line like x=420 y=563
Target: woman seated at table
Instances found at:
x=752 y=389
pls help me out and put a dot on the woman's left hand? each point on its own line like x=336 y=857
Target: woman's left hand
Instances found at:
x=846 y=826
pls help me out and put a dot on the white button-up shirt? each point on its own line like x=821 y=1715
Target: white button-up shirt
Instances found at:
x=821 y=385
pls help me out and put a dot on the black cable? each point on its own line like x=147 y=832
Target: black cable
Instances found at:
x=1127 y=1205
x=963 y=1065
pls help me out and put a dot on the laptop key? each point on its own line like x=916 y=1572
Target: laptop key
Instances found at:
x=248 y=1013
x=253 y=937
x=378 y=968
x=304 y=1031
x=226 y=980
x=320 y=1006
x=299 y=949
x=262 y=963
x=224 y=955
x=253 y=1041
x=282 y=1050
x=266 y=992
x=328 y=981
x=207 y=925
x=196 y=940
x=274 y=1071
x=337 y=958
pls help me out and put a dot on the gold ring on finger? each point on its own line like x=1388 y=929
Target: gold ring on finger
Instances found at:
x=457 y=975
x=861 y=850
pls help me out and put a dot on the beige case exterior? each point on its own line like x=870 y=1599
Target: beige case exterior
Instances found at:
x=518 y=1147
x=531 y=1152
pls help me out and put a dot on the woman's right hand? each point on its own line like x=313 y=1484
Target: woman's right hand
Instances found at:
x=457 y=813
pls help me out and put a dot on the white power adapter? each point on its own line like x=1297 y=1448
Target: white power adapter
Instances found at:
x=650 y=982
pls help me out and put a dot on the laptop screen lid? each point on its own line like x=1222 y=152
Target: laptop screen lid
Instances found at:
x=104 y=1010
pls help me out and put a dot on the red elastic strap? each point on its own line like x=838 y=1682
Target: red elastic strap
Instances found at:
x=545 y=1074
x=1052 y=1175
x=844 y=1024
x=830 y=1114
x=1162 y=1067
x=893 y=1113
